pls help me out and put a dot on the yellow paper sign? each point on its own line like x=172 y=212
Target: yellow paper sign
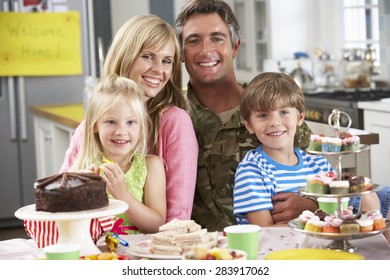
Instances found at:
x=40 y=44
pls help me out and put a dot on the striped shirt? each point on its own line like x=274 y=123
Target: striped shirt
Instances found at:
x=258 y=178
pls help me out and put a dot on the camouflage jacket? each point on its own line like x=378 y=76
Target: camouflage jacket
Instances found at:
x=221 y=147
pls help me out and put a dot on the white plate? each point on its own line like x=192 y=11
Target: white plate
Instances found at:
x=222 y=243
x=150 y=255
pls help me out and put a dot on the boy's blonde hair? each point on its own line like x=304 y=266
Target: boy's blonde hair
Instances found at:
x=108 y=93
x=147 y=32
x=268 y=90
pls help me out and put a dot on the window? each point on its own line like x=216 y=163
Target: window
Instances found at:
x=361 y=25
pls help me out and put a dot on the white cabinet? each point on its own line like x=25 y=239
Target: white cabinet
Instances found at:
x=379 y=122
x=253 y=18
x=51 y=142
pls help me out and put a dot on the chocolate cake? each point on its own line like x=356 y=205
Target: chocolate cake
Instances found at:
x=67 y=192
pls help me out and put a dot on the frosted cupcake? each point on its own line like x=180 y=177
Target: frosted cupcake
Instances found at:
x=366 y=225
x=331 y=144
x=315 y=143
x=339 y=187
x=304 y=217
x=314 y=225
x=319 y=183
x=332 y=224
x=350 y=143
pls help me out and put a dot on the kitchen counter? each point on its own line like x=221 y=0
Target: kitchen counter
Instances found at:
x=69 y=115
x=54 y=126
x=380 y=106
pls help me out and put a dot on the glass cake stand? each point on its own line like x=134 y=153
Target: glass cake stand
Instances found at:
x=340 y=240
x=338 y=155
x=73 y=227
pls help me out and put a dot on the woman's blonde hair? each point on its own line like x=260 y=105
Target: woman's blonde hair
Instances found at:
x=108 y=93
x=137 y=34
x=268 y=90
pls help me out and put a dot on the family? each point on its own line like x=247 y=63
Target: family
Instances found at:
x=189 y=156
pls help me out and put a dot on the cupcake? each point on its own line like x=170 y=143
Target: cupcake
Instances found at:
x=357 y=184
x=350 y=143
x=339 y=187
x=331 y=144
x=304 y=217
x=349 y=226
x=315 y=143
x=321 y=214
x=313 y=225
x=332 y=224
x=379 y=222
x=347 y=213
x=319 y=183
x=366 y=225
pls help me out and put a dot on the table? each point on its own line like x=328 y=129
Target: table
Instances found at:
x=271 y=239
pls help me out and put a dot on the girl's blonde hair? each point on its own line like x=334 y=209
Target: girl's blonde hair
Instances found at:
x=268 y=90
x=139 y=33
x=108 y=93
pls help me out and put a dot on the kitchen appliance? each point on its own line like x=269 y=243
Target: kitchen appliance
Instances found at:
x=17 y=94
x=319 y=105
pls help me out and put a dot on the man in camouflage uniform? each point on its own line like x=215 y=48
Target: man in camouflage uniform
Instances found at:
x=209 y=35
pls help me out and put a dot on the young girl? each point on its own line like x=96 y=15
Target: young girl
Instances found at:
x=115 y=128
x=145 y=49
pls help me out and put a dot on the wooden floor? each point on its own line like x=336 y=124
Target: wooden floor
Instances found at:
x=10 y=233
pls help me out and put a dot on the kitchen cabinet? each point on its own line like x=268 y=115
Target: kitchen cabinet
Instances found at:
x=377 y=119
x=254 y=22
x=54 y=126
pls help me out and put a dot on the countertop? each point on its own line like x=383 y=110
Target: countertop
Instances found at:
x=71 y=115
x=66 y=114
x=382 y=106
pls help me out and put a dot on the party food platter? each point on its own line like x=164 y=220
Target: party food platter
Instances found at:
x=340 y=240
x=142 y=249
x=343 y=217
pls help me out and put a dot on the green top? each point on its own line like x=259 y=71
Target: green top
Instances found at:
x=135 y=179
x=221 y=147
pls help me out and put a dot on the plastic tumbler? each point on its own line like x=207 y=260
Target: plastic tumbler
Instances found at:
x=65 y=251
x=329 y=204
x=245 y=238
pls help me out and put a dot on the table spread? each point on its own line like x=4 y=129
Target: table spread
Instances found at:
x=271 y=239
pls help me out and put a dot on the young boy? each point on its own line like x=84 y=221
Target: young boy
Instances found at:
x=272 y=107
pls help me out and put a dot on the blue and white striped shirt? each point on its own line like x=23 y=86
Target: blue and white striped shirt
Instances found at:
x=258 y=178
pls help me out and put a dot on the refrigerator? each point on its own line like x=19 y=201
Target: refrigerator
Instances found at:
x=17 y=94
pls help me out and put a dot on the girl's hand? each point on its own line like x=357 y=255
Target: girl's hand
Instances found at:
x=91 y=169
x=115 y=180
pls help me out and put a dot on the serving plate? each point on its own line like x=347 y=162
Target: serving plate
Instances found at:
x=135 y=250
x=340 y=240
x=374 y=188
x=312 y=254
x=362 y=147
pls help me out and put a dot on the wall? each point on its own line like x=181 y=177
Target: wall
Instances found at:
x=384 y=33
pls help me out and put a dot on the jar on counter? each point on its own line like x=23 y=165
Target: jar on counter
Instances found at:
x=356 y=70
x=326 y=71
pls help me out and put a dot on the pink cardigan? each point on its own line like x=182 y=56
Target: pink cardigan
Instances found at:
x=177 y=147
